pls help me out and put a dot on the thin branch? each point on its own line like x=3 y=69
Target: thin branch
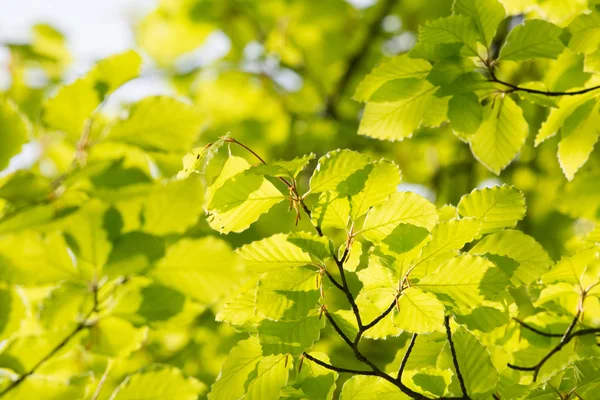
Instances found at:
x=531 y=328
x=338 y=369
x=413 y=339
x=80 y=326
x=333 y=280
x=355 y=60
x=337 y=328
x=516 y=88
x=381 y=316
x=461 y=380
x=564 y=340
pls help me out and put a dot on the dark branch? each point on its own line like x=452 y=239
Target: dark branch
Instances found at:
x=461 y=380
x=333 y=280
x=355 y=60
x=338 y=369
x=413 y=339
x=380 y=317
x=337 y=328
x=564 y=340
x=531 y=328
x=515 y=88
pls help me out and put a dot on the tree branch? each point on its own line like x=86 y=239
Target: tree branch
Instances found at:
x=564 y=340
x=381 y=316
x=531 y=328
x=355 y=60
x=337 y=328
x=516 y=88
x=338 y=369
x=413 y=339
x=80 y=327
x=461 y=380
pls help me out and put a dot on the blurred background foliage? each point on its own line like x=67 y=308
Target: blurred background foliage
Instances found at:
x=281 y=82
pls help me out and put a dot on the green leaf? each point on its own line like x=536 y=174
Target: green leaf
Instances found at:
x=236 y=369
x=475 y=364
x=315 y=381
x=158 y=123
x=534 y=39
x=380 y=285
x=446 y=71
x=14 y=133
x=571 y=269
x=370 y=388
x=173 y=208
x=240 y=201
x=433 y=380
x=397 y=120
x=287 y=295
x=272 y=375
x=400 y=208
x=559 y=116
x=501 y=134
x=287 y=169
x=14 y=312
x=133 y=253
x=331 y=212
x=87 y=235
x=447 y=238
x=317 y=246
x=204 y=269
x=115 y=337
x=334 y=168
x=497 y=208
x=113 y=71
x=63 y=302
x=49 y=388
x=22 y=254
x=487 y=15
x=419 y=312
x=465 y=281
x=293 y=337
x=435 y=35
x=199 y=159
x=465 y=113
x=398 y=67
x=272 y=254
x=158 y=382
x=372 y=186
x=576 y=146
x=531 y=258
x=158 y=303
x=71 y=108
x=241 y=310
x=585 y=33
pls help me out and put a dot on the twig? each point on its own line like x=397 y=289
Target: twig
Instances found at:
x=80 y=326
x=337 y=328
x=461 y=380
x=531 y=328
x=413 y=339
x=338 y=369
x=381 y=316
x=564 y=340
